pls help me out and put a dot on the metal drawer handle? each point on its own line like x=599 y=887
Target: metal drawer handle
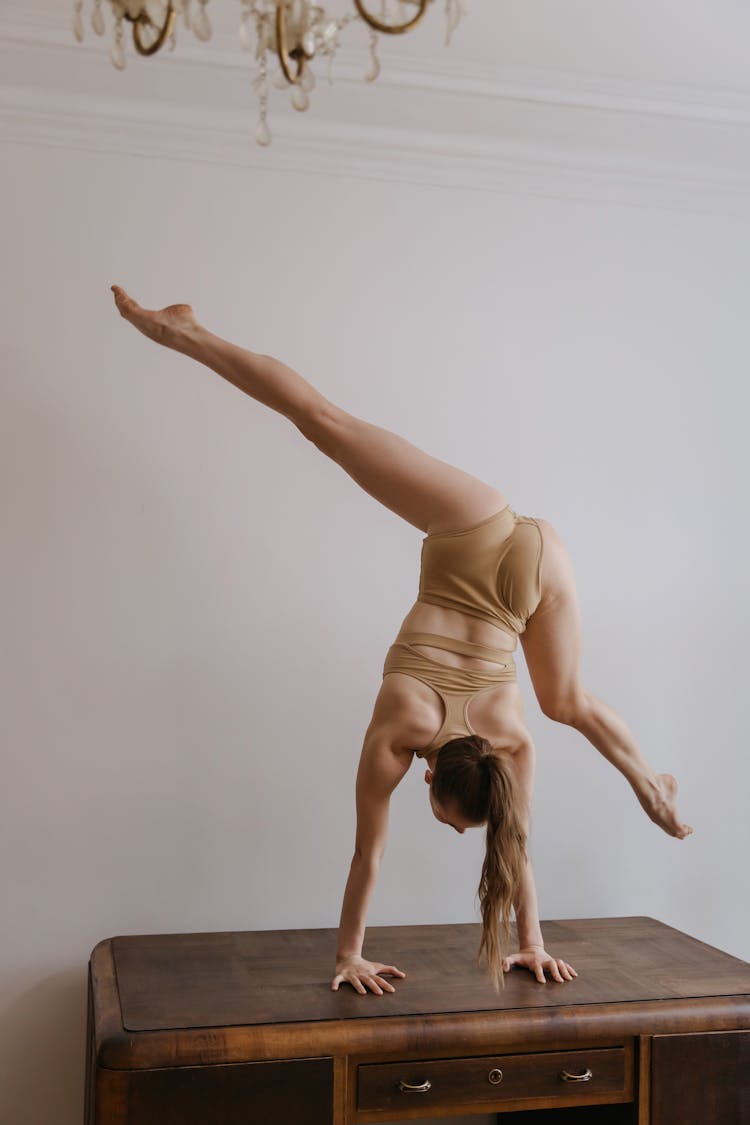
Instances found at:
x=408 y=1088
x=585 y=1077
x=495 y=1077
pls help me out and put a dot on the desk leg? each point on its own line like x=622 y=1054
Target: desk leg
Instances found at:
x=644 y=1080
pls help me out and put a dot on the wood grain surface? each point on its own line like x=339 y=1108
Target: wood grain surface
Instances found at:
x=172 y=981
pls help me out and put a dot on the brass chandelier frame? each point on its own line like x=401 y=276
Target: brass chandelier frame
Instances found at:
x=143 y=20
x=287 y=58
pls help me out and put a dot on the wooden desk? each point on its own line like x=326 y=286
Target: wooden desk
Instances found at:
x=243 y=1029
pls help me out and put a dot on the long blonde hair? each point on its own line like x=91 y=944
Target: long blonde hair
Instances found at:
x=470 y=773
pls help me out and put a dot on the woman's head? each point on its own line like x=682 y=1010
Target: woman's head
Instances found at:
x=472 y=785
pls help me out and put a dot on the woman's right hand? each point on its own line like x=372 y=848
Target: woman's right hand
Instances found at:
x=362 y=974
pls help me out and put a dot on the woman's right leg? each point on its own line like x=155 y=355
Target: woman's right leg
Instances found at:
x=426 y=492
x=552 y=646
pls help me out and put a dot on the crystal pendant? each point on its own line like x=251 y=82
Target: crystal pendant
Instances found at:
x=329 y=33
x=263 y=133
x=156 y=10
x=246 y=33
x=202 y=24
x=300 y=99
x=97 y=20
x=266 y=37
x=78 y=25
x=374 y=68
x=452 y=18
x=117 y=54
x=307 y=81
x=308 y=44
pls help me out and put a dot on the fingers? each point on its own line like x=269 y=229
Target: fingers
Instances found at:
x=558 y=969
x=374 y=982
x=390 y=969
x=554 y=971
x=378 y=984
x=341 y=979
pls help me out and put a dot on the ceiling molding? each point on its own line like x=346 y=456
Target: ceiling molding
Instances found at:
x=191 y=133
x=700 y=163
x=23 y=24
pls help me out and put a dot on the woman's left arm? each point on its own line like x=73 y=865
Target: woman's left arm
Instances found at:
x=531 y=952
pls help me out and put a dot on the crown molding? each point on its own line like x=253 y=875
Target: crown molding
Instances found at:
x=192 y=133
x=44 y=102
x=25 y=24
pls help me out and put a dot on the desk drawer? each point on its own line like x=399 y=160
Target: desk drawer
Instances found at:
x=563 y=1077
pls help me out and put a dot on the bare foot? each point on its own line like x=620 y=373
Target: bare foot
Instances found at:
x=658 y=800
x=165 y=325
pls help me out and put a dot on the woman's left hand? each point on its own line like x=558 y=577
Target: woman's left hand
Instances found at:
x=536 y=960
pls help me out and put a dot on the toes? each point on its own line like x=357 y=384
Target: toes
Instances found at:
x=121 y=298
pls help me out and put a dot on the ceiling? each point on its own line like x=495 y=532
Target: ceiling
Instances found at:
x=657 y=83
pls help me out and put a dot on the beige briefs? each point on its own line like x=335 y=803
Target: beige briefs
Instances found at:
x=491 y=570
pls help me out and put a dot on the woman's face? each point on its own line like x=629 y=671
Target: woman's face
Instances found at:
x=450 y=814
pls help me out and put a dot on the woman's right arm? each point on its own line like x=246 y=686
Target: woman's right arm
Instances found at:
x=381 y=768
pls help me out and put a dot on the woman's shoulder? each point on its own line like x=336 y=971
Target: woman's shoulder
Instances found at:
x=407 y=713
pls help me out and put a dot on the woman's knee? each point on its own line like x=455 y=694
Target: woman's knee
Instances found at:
x=568 y=707
x=323 y=426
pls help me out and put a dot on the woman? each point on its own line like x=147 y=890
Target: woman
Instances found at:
x=449 y=691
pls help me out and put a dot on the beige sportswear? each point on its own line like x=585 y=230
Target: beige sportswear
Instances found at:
x=491 y=571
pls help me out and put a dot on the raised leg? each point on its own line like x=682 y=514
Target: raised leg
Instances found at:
x=428 y=493
x=552 y=648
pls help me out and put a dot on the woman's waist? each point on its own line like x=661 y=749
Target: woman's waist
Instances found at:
x=425 y=617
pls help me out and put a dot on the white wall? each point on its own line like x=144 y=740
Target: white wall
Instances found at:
x=196 y=605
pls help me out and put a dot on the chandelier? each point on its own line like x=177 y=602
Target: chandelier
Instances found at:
x=296 y=32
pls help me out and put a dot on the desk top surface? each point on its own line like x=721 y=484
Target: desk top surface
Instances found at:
x=170 y=981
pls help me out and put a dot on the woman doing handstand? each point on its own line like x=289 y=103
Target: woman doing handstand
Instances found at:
x=449 y=693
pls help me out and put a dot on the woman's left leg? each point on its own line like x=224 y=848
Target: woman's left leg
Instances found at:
x=428 y=493
x=552 y=648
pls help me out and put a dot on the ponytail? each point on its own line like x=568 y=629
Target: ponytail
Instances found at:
x=469 y=772
x=503 y=866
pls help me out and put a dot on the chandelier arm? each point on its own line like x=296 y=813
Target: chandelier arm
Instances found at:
x=164 y=33
x=391 y=29
x=281 y=49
